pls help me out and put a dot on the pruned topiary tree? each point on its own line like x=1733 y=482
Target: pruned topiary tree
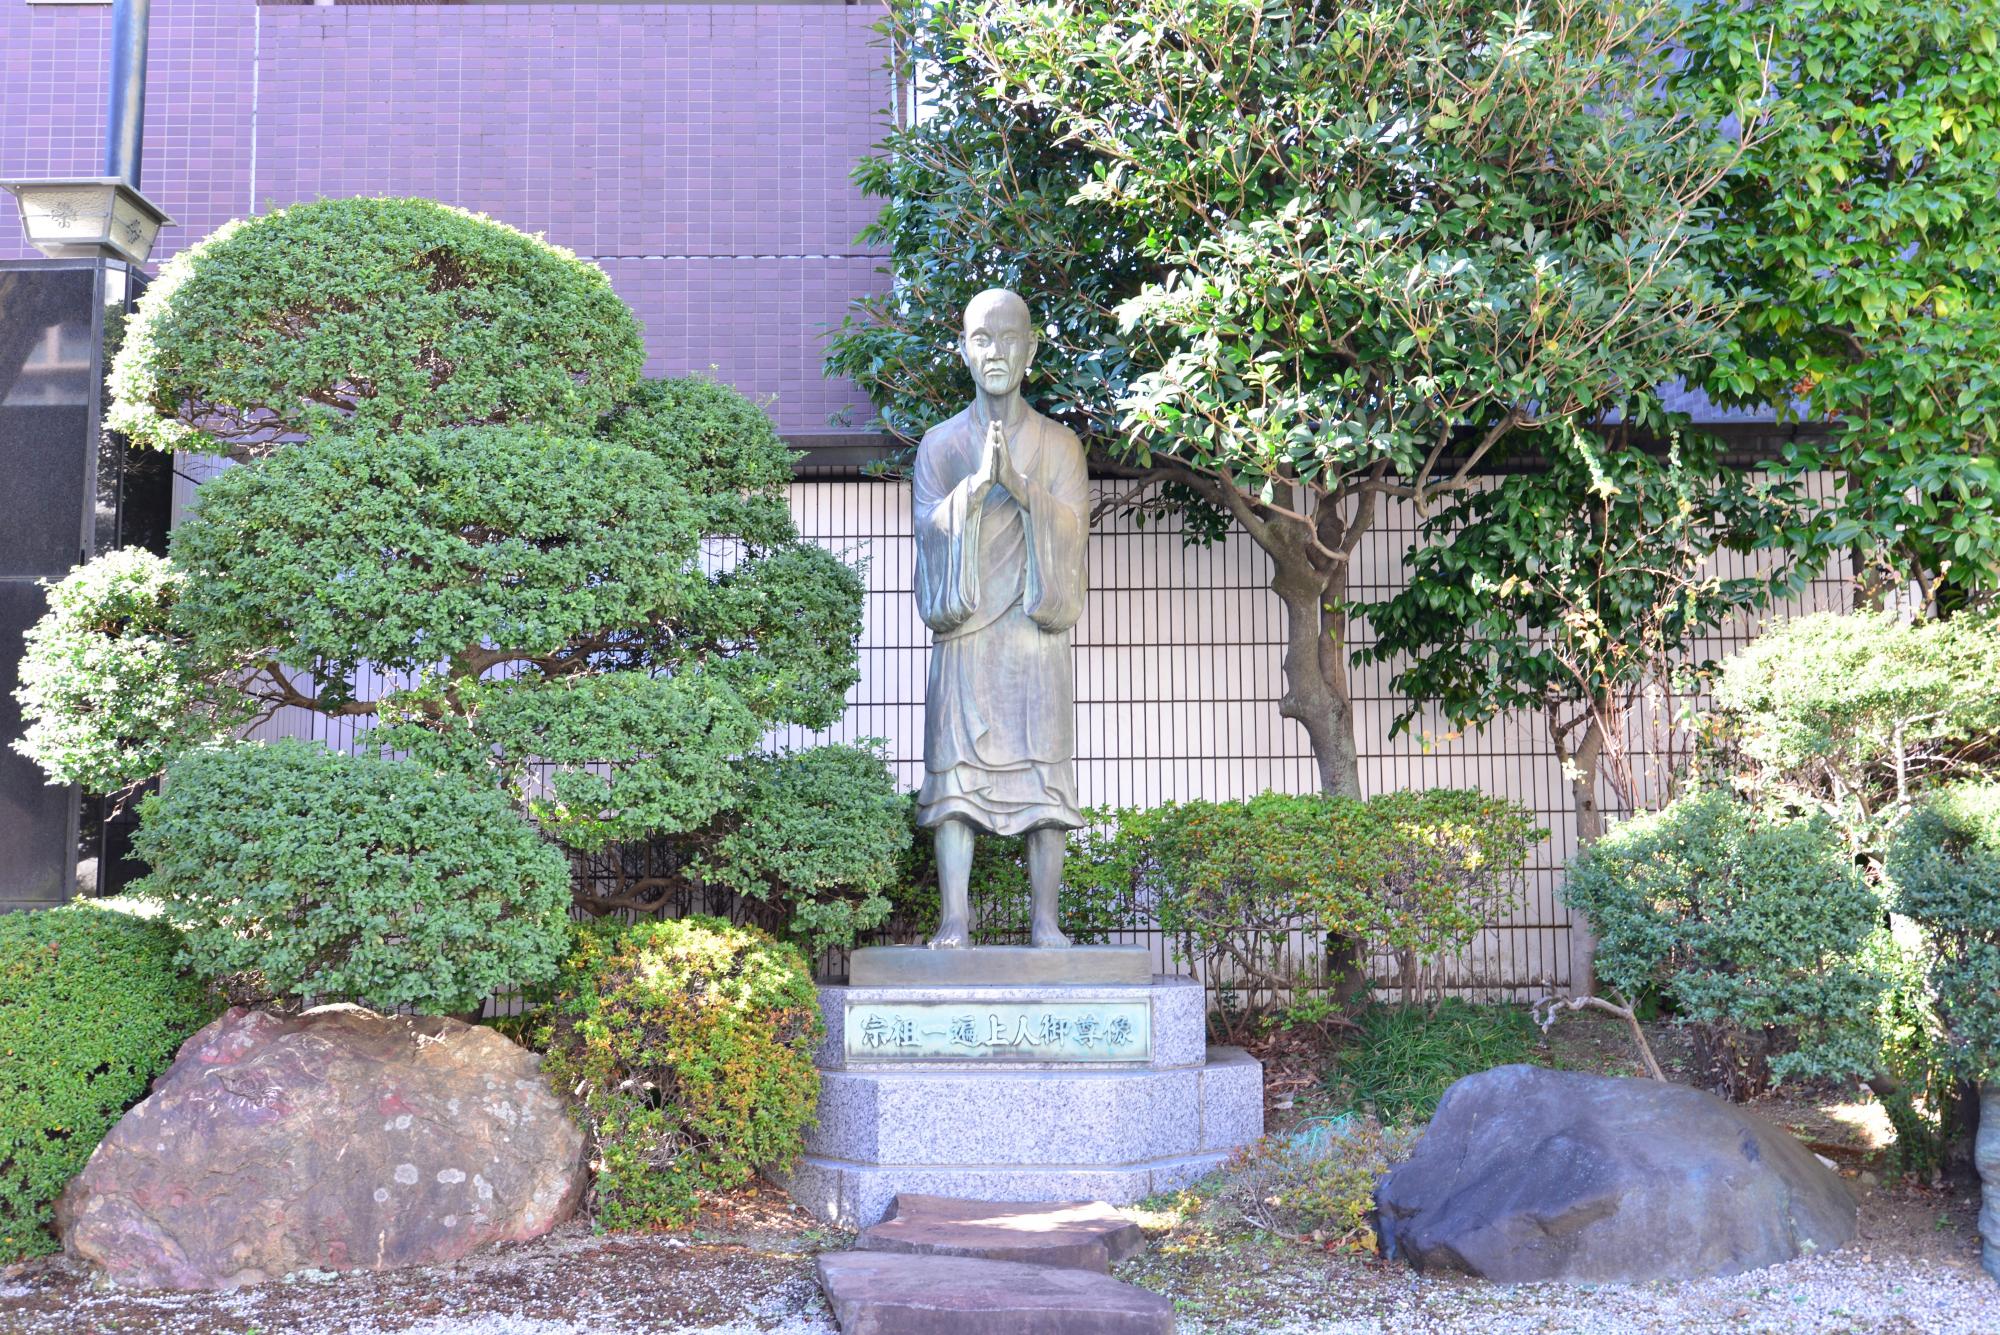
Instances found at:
x=466 y=528
x=386 y=313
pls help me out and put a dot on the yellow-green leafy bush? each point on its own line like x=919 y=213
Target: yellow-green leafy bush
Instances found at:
x=92 y=1007
x=1416 y=872
x=687 y=1045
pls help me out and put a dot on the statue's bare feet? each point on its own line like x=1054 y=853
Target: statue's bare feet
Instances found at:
x=951 y=935
x=1045 y=936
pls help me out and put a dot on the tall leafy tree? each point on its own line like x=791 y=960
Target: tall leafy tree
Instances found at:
x=1298 y=258
x=1581 y=593
x=1864 y=232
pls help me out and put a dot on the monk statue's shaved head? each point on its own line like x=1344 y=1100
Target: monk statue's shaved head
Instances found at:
x=997 y=305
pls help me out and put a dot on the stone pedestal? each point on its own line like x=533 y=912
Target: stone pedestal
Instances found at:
x=1103 y=1092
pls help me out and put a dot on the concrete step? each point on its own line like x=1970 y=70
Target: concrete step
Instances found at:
x=887 y=1293
x=1083 y=1235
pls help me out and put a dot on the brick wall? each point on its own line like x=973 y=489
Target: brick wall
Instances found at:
x=699 y=153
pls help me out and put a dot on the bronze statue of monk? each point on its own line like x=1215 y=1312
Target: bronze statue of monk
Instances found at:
x=1002 y=515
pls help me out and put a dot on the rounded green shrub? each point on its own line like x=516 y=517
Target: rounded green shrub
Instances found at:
x=352 y=878
x=1945 y=867
x=110 y=687
x=687 y=1045
x=1753 y=923
x=402 y=549
x=1857 y=709
x=386 y=313
x=92 y=1007
x=705 y=431
x=816 y=844
x=1417 y=873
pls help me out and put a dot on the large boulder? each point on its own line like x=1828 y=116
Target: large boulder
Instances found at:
x=334 y=1140
x=1529 y=1174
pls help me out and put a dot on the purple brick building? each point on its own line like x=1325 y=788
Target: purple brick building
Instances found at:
x=699 y=153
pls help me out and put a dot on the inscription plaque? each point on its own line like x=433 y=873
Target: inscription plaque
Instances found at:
x=1049 y=1031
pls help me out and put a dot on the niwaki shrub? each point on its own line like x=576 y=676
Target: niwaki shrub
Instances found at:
x=385 y=313
x=1945 y=867
x=92 y=1007
x=1417 y=873
x=352 y=878
x=687 y=1045
x=1753 y=922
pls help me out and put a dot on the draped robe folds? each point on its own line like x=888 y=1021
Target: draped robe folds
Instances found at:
x=1000 y=582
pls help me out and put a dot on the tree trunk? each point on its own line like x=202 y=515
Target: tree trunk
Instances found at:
x=1317 y=696
x=1580 y=767
x=1317 y=693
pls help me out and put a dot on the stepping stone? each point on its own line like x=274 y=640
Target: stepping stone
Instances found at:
x=891 y=1293
x=1087 y=1235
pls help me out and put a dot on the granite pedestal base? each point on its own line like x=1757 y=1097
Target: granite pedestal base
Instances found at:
x=1020 y=1094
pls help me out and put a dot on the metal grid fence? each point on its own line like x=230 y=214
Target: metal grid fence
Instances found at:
x=1178 y=681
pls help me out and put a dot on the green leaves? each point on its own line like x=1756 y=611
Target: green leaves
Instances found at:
x=352 y=878
x=822 y=836
x=1863 y=238
x=1409 y=871
x=686 y=1047
x=1747 y=920
x=1945 y=867
x=1856 y=709
x=373 y=314
x=1585 y=580
x=92 y=1008
x=406 y=549
x=111 y=686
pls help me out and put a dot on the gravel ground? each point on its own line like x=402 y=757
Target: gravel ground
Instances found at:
x=748 y=1268
x=1914 y=1272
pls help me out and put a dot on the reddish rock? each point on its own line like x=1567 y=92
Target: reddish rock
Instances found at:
x=334 y=1140
x=1080 y=1236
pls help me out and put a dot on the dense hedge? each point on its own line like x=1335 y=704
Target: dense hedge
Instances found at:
x=386 y=313
x=352 y=878
x=1945 y=866
x=1417 y=873
x=92 y=1007
x=1752 y=922
x=688 y=1046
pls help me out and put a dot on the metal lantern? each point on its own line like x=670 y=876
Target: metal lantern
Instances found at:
x=88 y=217
x=103 y=217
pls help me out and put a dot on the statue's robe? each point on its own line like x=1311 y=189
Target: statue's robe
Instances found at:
x=1000 y=583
